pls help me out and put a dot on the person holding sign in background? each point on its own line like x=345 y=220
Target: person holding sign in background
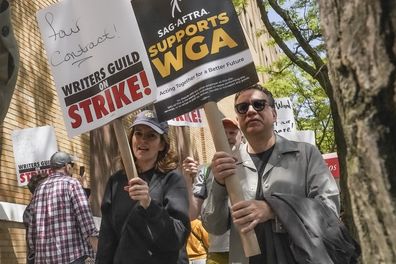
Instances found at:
x=61 y=226
x=284 y=182
x=145 y=219
x=200 y=181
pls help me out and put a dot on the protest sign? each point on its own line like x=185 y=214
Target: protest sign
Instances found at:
x=33 y=148
x=285 y=120
x=331 y=160
x=307 y=136
x=286 y=124
x=197 y=51
x=98 y=61
x=190 y=119
x=198 y=55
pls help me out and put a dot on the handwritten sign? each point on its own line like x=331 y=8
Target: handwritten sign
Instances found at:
x=197 y=50
x=98 y=60
x=190 y=119
x=285 y=122
x=33 y=148
x=307 y=136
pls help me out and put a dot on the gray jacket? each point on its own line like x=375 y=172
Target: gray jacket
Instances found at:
x=294 y=168
x=9 y=59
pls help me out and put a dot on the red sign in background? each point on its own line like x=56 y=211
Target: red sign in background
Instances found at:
x=331 y=160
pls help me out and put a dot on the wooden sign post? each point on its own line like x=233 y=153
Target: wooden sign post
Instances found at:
x=125 y=150
x=249 y=240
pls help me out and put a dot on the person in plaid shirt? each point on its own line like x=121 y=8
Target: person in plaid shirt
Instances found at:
x=61 y=229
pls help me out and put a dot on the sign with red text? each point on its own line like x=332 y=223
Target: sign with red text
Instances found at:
x=197 y=51
x=33 y=148
x=98 y=61
x=190 y=119
x=331 y=160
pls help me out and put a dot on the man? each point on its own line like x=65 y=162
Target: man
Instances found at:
x=218 y=245
x=61 y=229
x=272 y=165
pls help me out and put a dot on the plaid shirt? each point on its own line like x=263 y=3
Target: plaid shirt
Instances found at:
x=61 y=221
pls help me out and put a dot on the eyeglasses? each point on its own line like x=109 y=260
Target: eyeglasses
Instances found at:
x=258 y=105
x=71 y=164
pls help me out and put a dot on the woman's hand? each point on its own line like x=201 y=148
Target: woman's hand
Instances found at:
x=138 y=190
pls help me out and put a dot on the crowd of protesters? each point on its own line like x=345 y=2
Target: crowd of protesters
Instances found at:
x=180 y=212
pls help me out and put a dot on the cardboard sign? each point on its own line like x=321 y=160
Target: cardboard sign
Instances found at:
x=33 y=148
x=98 y=61
x=191 y=119
x=331 y=160
x=285 y=122
x=197 y=50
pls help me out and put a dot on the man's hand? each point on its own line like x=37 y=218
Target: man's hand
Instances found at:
x=247 y=214
x=223 y=166
x=138 y=190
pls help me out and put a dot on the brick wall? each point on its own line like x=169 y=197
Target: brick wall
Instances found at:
x=34 y=103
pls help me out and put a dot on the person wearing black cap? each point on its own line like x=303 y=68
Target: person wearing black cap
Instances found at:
x=61 y=229
x=145 y=219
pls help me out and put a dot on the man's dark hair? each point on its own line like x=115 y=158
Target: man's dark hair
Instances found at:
x=261 y=88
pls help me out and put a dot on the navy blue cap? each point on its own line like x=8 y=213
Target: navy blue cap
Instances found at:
x=148 y=118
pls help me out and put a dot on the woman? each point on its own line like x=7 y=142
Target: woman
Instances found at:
x=145 y=219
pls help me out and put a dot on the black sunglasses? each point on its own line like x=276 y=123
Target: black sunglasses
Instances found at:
x=258 y=105
x=71 y=164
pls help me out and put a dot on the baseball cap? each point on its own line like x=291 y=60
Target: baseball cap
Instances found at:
x=60 y=159
x=149 y=118
x=230 y=122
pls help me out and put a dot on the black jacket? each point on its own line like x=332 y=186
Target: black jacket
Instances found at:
x=312 y=233
x=131 y=234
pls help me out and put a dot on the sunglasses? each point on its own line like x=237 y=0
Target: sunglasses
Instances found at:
x=258 y=105
x=71 y=164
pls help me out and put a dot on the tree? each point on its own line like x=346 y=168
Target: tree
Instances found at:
x=361 y=44
x=310 y=103
x=300 y=23
x=360 y=41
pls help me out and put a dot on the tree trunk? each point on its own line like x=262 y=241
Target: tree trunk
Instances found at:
x=361 y=45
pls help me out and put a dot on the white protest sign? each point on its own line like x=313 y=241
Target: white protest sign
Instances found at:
x=33 y=148
x=300 y=136
x=98 y=61
x=286 y=124
x=285 y=121
x=190 y=119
